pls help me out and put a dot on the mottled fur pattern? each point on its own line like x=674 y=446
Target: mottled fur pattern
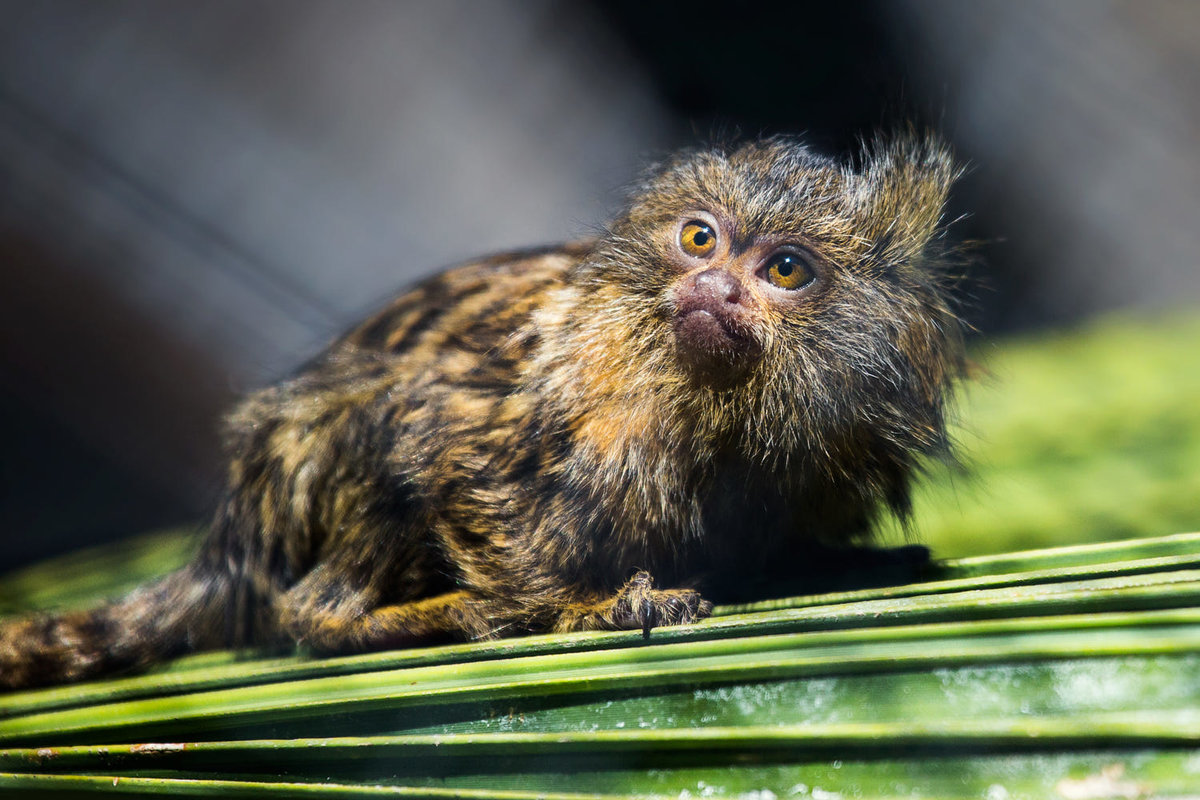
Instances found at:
x=517 y=445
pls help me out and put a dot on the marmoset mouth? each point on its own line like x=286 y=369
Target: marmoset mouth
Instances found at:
x=713 y=345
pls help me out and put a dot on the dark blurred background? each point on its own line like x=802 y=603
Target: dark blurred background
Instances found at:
x=195 y=196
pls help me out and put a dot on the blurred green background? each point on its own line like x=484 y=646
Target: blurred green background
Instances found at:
x=1084 y=435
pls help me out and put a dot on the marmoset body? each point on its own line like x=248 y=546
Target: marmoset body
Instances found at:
x=749 y=363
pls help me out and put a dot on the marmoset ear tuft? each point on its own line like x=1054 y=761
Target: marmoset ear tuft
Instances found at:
x=905 y=181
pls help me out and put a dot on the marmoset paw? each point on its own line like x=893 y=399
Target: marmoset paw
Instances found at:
x=640 y=605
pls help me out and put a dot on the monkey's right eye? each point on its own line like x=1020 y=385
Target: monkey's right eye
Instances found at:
x=697 y=239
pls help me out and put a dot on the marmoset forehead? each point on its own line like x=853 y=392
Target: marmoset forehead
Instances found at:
x=768 y=187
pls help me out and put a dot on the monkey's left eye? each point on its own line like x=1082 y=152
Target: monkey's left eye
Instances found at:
x=697 y=239
x=789 y=271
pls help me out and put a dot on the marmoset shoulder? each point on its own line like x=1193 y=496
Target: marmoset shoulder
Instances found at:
x=747 y=365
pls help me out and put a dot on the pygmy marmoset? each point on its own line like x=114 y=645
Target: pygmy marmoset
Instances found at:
x=749 y=363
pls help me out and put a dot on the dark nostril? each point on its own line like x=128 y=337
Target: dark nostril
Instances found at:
x=719 y=285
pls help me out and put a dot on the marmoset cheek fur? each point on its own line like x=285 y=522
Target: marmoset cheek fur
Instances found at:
x=742 y=372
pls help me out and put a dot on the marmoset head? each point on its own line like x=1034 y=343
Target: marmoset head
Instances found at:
x=800 y=298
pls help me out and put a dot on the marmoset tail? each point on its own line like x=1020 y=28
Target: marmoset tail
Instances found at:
x=746 y=369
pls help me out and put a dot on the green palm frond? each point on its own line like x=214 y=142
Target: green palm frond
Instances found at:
x=1019 y=671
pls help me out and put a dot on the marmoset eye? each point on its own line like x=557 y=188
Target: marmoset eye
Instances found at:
x=697 y=239
x=789 y=270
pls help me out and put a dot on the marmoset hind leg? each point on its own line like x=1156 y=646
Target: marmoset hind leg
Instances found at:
x=377 y=582
x=357 y=601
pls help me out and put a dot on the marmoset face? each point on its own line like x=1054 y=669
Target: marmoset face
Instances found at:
x=802 y=298
x=728 y=286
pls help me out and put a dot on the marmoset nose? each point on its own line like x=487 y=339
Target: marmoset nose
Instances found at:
x=718 y=285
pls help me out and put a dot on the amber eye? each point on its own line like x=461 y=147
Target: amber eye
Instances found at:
x=789 y=271
x=697 y=239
